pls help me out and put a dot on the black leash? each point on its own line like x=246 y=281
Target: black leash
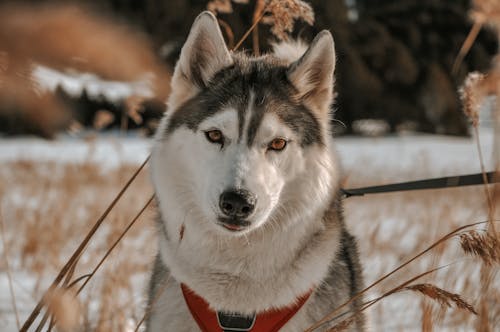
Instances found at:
x=445 y=182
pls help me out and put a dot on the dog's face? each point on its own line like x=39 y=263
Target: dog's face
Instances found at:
x=235 y=149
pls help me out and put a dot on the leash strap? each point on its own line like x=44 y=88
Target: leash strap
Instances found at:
x=435 y=183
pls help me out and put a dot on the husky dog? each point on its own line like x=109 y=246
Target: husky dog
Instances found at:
x=247 y=184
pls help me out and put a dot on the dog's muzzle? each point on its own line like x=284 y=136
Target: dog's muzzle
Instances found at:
x=236 y=206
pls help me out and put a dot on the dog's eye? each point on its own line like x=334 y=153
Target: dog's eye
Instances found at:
x=215 y=136
x=277 y=144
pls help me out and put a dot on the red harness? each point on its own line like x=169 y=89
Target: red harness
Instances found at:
x=268 y=321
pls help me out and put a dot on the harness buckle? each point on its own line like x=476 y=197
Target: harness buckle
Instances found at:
x=234 y=322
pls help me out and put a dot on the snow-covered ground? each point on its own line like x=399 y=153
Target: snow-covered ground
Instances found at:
x=444 y=155
x=365 y=161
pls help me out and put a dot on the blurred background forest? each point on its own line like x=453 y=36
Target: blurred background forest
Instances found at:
x=90 y=68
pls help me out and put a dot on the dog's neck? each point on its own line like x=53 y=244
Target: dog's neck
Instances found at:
x=268 y=268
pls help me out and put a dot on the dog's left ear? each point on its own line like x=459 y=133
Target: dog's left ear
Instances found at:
x=312 y=74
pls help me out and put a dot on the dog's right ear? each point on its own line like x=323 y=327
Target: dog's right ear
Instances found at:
x=312 y=74
x=204 y=54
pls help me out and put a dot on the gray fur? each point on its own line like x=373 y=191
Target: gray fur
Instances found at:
x=267 y=79
x=344 y=279
x=158 y=277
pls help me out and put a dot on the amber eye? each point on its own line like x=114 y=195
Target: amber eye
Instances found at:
x=215 y=136
x=277 y=144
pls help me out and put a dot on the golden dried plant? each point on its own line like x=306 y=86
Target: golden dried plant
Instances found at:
x=102 y=119
x=444 y=298
x=472 y=96
x=64 y=307
x=223 y=6
x=343 y=325
x=483 y=245
x=486 y=12
x=220 y=6
x=282 y=14
x=427 y=319
x=476 y=87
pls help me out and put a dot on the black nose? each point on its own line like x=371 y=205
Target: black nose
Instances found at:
x=237 y=203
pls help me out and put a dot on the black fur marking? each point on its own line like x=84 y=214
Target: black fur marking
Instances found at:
x=346 y=255
x=231 y=88
x=241 y=123
x=304 y=123
x=158 y=278
x=344 y=278
x=159 y=221
x=163 y=229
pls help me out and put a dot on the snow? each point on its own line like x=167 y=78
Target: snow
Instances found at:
x=440 y=155
x=446 y=155
x=108 y=151
x=74 y=83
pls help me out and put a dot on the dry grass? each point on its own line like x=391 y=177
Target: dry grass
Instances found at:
x=485 y=246
x=280 y=15
x=392 y=228
x=420 y=217
x=48 y=207
x=65 y=308
x=444 y=298
x=484 y=12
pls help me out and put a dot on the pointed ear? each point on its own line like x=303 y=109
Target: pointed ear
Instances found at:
x=312 y=74
x=203 y=54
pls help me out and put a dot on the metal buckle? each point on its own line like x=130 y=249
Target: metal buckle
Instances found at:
x=230 y=322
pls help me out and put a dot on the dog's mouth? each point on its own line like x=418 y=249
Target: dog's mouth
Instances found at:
x=233 y=225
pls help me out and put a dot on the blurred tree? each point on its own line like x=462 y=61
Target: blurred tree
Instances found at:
x=410 y=46
x=394 y=57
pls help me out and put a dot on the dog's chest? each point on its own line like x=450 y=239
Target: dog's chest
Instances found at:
x=172 y=314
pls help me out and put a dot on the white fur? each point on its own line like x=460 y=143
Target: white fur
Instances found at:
x=289 y=51
x=293 y=188
x=287 y=249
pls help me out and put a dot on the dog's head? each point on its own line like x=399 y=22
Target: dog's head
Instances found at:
x=246 y=141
